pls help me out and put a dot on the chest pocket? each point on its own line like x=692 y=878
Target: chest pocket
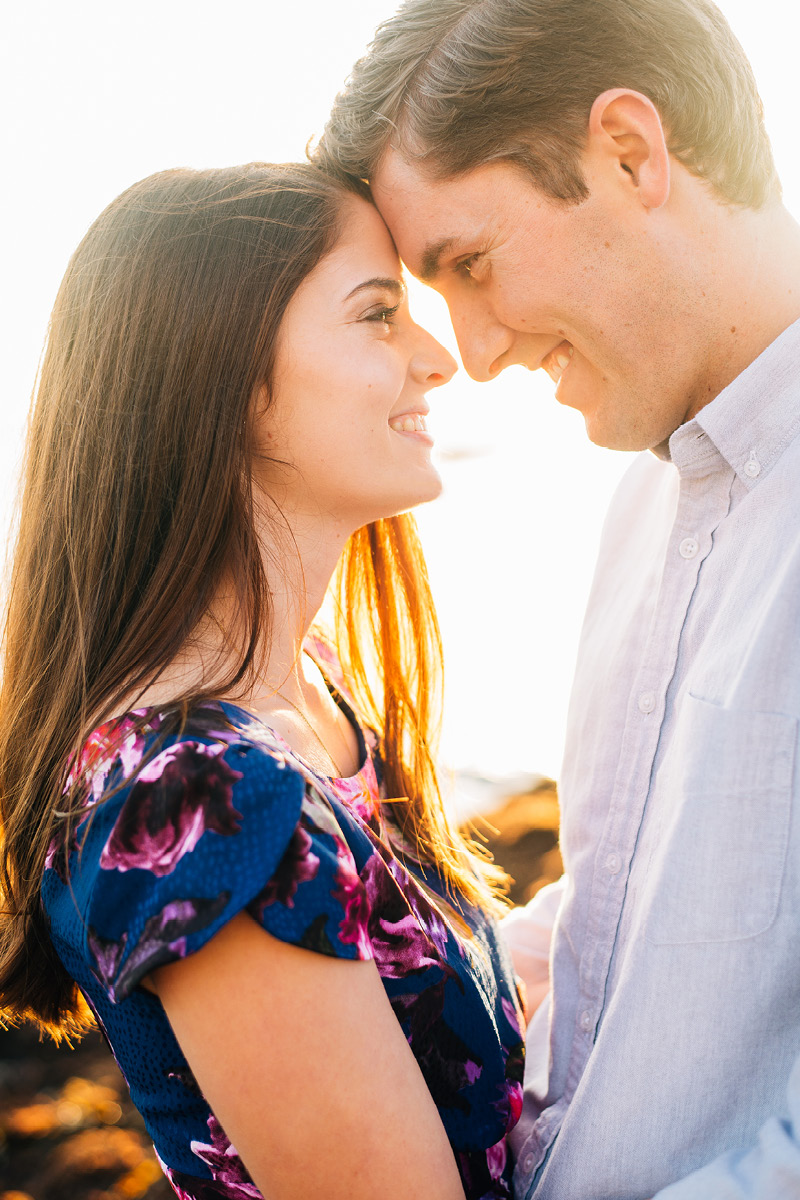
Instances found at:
x=726 y=785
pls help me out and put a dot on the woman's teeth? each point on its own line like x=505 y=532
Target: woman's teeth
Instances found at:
x=410 y=423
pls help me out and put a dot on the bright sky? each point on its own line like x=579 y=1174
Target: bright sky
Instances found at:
x=96 y=95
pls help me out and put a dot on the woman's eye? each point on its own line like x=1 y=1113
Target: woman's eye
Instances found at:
x=384 y=315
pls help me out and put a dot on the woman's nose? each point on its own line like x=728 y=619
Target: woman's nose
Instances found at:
x=437 y=364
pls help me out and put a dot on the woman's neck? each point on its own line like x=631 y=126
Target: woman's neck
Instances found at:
x=299 y=555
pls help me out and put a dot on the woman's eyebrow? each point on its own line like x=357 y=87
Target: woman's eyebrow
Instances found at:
x=392 y=285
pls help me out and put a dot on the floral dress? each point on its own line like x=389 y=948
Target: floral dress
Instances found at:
x=226 y=818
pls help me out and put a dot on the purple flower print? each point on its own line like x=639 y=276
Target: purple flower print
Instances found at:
x=509 y=1106
x=482 y=1174
x=298 y=865
x=399 y=936
x=162 y=940
x=512 y=1015
x=423 y=910
x=174 y=1178
x=510 y=1103
x=360 y=794
x=185 y=791
x=225 y=1165
x=352 y=896
x=448 y=1065
x=496 y=1158
x=189 y=1187
x=116 y=741
x=58 y=853
x=108 y=956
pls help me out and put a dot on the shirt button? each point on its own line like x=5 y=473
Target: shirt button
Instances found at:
x=752 y=467
x=613 y=864
x=647 y=702
x=688 y=548
x=586 y=1021
x=527 y=1163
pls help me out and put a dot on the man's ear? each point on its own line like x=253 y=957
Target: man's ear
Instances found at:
x=625 y=128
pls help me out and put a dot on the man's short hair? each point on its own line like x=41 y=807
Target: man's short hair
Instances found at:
x=454 y=84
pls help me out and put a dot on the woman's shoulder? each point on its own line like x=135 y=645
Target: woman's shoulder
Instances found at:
x=157 y=788
x=181 y=832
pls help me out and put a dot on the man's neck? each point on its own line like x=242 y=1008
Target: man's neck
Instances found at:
x=754 y=268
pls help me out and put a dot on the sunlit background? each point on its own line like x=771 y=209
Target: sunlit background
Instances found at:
x=98 y=95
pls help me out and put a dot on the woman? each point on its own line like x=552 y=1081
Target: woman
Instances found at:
x=287 y=956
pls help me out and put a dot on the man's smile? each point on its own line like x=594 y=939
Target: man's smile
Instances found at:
x=556 y=362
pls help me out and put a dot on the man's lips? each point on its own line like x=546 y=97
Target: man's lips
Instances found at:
x=556 y=362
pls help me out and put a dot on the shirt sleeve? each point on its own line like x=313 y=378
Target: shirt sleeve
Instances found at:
x=766 y=1171
x=528 y=932
x=205 y=832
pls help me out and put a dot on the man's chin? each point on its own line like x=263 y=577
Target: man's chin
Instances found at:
x=616 y=439
x=603 y=429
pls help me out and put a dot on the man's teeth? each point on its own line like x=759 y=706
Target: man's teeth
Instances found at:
x=410 y=423
x=556 y=364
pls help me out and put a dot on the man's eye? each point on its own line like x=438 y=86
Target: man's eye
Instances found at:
x=466 y=264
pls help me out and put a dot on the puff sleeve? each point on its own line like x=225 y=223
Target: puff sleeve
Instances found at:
x=206 y=830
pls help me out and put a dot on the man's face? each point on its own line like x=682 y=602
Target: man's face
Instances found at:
x=605 y=295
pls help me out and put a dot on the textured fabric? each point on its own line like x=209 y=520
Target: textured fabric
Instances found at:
x=224 y=819
x=665 y=1053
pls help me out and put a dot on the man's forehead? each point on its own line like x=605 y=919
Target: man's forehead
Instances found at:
x=427 y=217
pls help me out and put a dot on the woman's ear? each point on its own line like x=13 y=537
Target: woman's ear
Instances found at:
x=625 y=129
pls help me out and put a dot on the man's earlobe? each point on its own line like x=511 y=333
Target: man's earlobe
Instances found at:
x=625 y=128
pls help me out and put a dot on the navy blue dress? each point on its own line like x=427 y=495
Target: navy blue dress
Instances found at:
x=226 y=818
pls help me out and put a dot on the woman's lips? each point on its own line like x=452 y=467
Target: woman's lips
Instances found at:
x=409 y=423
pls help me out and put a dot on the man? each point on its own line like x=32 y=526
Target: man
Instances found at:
x=589 y=185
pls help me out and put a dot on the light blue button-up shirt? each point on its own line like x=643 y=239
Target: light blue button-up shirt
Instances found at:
x=667 y=1051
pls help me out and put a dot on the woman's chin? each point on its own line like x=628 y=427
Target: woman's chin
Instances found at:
x=410 y=498
x=430 y=489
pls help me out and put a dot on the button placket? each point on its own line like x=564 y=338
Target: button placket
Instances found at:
x=638 y=751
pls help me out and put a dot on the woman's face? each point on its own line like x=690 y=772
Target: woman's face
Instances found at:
x=348 y=397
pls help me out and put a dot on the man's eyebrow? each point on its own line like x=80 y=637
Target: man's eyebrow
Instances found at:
x=431 y=258
x=392 y=285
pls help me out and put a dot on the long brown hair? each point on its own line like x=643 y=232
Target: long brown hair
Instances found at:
x=137 y=503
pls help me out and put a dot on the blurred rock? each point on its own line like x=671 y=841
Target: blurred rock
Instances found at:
x=521 y=832
x=68 y=1129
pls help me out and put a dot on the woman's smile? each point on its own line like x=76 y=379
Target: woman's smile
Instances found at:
x=351 y=363
x=413 y=423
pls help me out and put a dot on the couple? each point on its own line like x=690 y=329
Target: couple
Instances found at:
x=236 y=818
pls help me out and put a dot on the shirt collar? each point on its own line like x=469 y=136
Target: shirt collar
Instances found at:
x=752 y=421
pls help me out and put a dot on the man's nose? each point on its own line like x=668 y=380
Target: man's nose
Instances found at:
x=484 y=343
